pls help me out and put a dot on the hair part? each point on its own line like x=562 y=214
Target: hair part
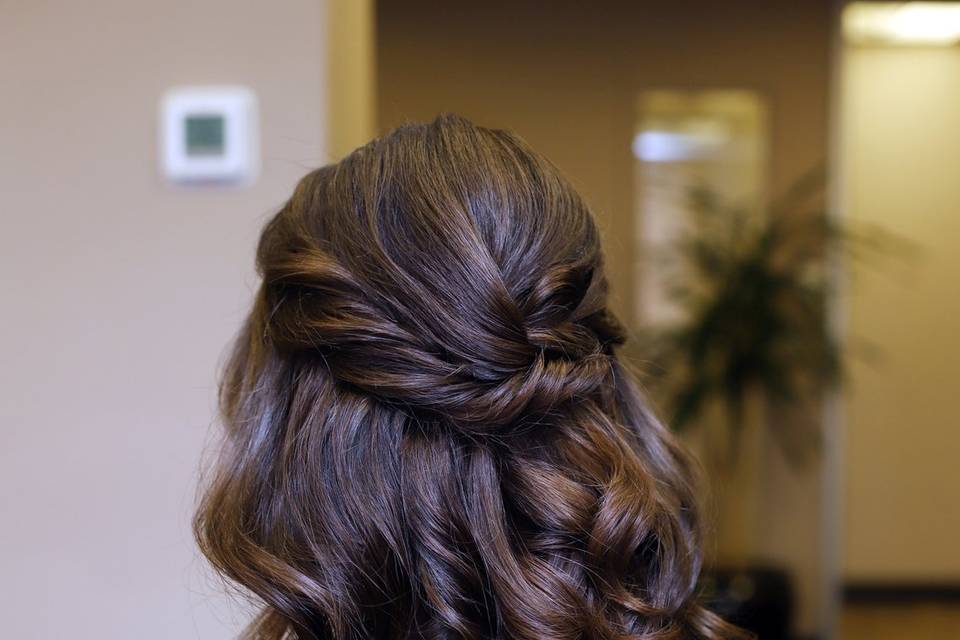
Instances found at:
x=429 y=433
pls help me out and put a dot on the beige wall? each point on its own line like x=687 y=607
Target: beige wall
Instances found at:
x=118 y=294
x=565 y=75
x=901 y=155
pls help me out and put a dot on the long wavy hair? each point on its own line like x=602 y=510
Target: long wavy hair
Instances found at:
x=429 y=433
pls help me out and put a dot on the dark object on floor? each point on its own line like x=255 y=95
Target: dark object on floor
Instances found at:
x=901 y=592
x=758 y=599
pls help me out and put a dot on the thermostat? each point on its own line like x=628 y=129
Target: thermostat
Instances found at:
x=209 y=135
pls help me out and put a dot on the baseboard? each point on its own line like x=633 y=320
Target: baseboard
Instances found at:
x=901 y=592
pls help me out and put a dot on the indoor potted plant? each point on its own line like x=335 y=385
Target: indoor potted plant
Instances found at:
x=751 y=340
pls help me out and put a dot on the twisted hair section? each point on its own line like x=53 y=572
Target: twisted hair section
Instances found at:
x=429 y=434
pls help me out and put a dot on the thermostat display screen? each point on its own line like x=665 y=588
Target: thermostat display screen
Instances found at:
x=204 y=135
x=209 y=135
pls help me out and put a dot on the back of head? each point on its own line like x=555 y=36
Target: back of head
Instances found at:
x=429 y=433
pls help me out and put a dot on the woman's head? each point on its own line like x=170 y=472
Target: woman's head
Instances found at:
x=429 y=434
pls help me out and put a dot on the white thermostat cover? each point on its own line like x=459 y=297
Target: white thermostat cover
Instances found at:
x=210 y=135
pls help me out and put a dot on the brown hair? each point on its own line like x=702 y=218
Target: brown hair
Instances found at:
x=428 y=431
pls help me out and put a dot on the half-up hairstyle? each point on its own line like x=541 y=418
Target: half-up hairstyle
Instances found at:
x=429 y=434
